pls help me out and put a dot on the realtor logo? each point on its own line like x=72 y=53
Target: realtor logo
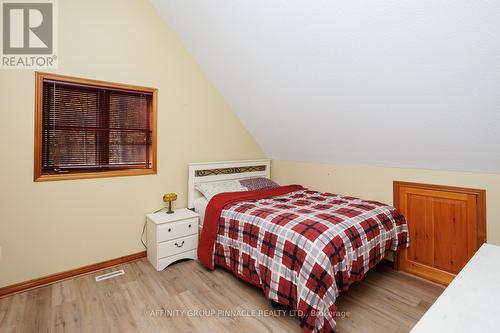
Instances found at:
x=28 y=34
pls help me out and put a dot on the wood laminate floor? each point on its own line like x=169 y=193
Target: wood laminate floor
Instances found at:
x=142 y=301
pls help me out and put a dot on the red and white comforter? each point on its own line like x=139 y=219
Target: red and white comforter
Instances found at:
x=301 y=247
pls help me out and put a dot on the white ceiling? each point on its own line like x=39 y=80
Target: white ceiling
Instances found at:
x=404 y=83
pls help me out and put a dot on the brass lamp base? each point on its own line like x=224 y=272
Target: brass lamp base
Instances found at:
x=170 y=211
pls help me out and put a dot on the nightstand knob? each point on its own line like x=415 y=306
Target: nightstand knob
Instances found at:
x=190 y=225
x=179 y=245
x=169 y=229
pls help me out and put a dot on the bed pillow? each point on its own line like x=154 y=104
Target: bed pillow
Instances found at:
x=258 y=183
x=212 y=188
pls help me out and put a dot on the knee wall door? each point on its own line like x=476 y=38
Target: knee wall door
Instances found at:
x=446 y=224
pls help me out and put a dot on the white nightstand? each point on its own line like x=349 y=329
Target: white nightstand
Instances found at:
x=172 y=237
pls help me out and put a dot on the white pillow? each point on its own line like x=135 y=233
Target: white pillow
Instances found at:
x=212 y=188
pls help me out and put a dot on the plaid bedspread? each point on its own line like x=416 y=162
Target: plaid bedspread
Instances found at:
x=303 y=248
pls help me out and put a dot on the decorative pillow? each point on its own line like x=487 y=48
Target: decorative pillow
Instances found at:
x=212 y=188
x=258 y=183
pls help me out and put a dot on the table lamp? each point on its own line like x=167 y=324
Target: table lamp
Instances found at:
x=169 y=197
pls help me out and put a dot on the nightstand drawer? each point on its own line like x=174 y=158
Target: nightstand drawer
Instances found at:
x=178 y=245
x=178 y=229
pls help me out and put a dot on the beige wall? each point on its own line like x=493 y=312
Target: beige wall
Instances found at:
x=55 y=226
x=376 y=183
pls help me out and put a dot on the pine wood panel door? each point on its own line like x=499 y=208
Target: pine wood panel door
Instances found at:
x=446 y=224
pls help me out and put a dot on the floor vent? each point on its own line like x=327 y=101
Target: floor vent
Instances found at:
x=109 y=275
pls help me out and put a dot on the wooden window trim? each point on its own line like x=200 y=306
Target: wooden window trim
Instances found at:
x=39 y=177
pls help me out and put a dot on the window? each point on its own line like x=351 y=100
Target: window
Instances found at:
x=90 y=129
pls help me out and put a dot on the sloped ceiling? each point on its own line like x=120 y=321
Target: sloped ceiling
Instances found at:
x=392 y=83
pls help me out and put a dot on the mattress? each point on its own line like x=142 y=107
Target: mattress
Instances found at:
x=200 y=205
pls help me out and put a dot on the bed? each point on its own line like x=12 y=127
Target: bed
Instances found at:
x=301 y=247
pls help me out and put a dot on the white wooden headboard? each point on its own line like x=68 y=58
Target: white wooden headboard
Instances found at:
x=217 y=171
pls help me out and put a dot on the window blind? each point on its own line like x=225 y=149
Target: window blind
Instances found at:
x=91 y=128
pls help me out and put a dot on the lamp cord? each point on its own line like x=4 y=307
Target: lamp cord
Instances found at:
x=144 y=228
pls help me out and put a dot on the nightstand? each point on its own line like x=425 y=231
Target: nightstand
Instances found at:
x=171 y=237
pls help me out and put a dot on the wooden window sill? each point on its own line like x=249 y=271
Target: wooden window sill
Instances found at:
x=90 y=175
